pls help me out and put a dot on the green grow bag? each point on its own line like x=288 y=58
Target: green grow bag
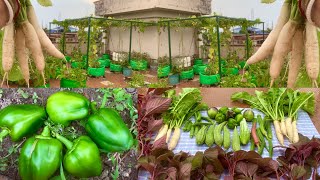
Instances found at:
x=198 y=61
x=66 y=83
x=164 y=71
x=139 y=65
x=209 y=79
x=115 y=67
x=174 y=79
x=106 y=56
x=96 y=72
x=199 y=68
x=105 y=62
x=233 y=71
x=127 y=72
x=78 y=65
x=187 y=75
x=68 y=58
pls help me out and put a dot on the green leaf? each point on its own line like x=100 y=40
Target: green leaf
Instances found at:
x=45 y=3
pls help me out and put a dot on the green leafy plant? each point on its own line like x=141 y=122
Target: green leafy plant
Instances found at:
x=137 y=80
x=74 y=74
x=163 y=61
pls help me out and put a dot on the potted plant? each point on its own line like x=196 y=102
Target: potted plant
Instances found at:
x=118 y=59
x=232 y=67
x=127 y=71
x=187 y=73
x=139 y=61
x=72 y=78
x=96 y=69
x=210 y=76
x=78 y=60
x=174 y=77
x=163 y=67
x=105 y=60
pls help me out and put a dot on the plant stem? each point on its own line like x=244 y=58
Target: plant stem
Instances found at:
x=46 y=132
x=104 y=100
x=3 y=134
x=93 y=106
x=65 y=141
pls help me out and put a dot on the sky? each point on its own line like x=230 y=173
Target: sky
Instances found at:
x=249 y=9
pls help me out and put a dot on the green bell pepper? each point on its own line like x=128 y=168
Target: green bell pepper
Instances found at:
x=65 y=106
x=22 y=120
x=220 y=118
x=82 y=158
x=40 y=157
x=108 y=130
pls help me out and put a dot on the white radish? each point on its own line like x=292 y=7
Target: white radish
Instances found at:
x=7 y=51
x=175 y=138
x=289 y=129
x=34 y=46
x=296 y=58
x=44 y=40
x=22 y=54
x=168 y=135
x=267 y=47
x=312 y=52
x=283 y=127
x=162 y=132
x=295 y=132
x=281 y=50
x=278 y=132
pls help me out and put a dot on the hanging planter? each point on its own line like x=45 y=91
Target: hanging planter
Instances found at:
x=105 y=62
x=187 y=75
x=174 y=79
x=209 y=80
x=139 y=65
x=164 y=71
x=199 y=68
x=127 y=72
x=115 y=67
x=198 y=61
x=96 y=72
x=66 y=83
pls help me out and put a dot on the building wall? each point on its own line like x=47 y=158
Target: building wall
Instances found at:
x=114 y=7
x=154 y=43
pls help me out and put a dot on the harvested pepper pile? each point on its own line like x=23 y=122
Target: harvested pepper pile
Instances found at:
x=67 y=126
